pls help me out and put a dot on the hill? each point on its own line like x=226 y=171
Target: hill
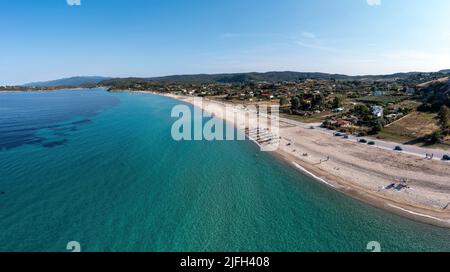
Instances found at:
x=247 y=77
x=435 y=94
x=257 y=77
x=231 y=78
x=72 y=81
x=275 y=76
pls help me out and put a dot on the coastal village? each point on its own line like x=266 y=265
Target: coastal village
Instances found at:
x=411 y=110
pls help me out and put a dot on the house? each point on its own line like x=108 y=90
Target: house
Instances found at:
x=377 y=111
x=269 y=96
x=341 y=123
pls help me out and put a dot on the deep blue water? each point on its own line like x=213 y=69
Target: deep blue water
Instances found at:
x=25 y=117
x=102 y=169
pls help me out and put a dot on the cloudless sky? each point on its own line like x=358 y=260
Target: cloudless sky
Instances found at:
x=49 y=39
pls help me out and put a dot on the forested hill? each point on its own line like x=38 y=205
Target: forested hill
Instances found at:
x=234 y=78
x=72 y=81
x=269 y=76
x=277 y=76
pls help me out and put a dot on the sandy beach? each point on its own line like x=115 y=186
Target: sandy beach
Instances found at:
x=360 y=171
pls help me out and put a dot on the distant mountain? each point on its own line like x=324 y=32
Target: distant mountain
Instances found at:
x=247 y=77
x=225 y=78
x=257 y=77
x=72 y=81
x=276 y=76
x=447 y=71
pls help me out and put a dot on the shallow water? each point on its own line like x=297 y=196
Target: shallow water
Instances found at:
x=102 y=169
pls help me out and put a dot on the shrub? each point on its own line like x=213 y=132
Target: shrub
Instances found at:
x=444 y=117
x=436 y=137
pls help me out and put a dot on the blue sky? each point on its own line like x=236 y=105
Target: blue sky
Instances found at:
x=48 y=39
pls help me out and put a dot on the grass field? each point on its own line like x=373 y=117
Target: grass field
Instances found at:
x=411 y=128
x=382 y=100
x=316 y=118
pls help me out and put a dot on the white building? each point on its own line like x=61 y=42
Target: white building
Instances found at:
x=377 y=111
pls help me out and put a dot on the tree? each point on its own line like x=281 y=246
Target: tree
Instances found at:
x=317 y=101
x=444 y=117
x=295 y=103
x=337 y=102
x=377 y=127
x=283 y=101
x=436 y=137
x=305 y=104
x=363 y=111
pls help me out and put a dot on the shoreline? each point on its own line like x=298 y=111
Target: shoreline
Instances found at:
x=414 y=213
x=408 y=207
x=417 y=204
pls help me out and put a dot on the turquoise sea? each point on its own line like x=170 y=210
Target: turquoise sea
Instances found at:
x=102 y=169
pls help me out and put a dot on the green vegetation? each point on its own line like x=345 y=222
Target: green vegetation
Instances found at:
x=435 y=95
x=363 y=111
x=284 y=101
x=444 y=117
x=338 y=101
x=382 y=100
x=436 y=137
x=314 y=118
x=307 y=102
x=377 y=127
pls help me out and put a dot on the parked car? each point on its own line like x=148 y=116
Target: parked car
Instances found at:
x=446 y=158
x=398 y=148
x=338 y=134
x=346 y=137
x=363 y=141
x=371 y=143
